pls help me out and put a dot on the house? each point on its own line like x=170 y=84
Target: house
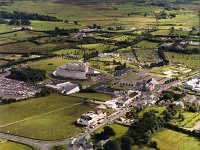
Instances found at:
x=146 y=85
x=188 y=99
x=84 y=140
x=91 y=118
x=64 y=87
x=179 y=104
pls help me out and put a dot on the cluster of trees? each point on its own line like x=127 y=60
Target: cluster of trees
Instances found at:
x=142 y=130
x=193 y=108
x=170 y=95
x=125 y=144
x=27 y=16
x=8 y=101
x=43 y=92
x=62 y=32
x=105 y=134
x=158 y=64
x=94 y=26
x=28 y=74
x=170 y=113
x=92 y=54
x=19 y=22
x=15 y=22
x=120 y=67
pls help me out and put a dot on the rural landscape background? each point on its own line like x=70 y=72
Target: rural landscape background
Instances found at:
x=141 y=61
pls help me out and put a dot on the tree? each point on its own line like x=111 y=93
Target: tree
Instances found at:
x=66 y=21
x=153 y=144
x=75 y=22
x=126 y=143
x=108 y=132
x=112 y=145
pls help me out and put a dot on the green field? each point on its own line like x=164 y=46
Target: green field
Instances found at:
x=146 y=44
x=172 y=140
x=189 y=60
x=45 y=116
x=14 y=146
x=158 y=110
x=50 y=64
x=93 y=96
x=118 y=129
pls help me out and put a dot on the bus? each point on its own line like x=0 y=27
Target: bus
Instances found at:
x=73 y=141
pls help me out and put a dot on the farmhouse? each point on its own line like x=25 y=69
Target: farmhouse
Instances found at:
x=64 y=88
x=74 y=71
x=91 y=118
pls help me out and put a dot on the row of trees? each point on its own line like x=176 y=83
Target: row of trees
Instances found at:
x=15 y=22
x=27 y=16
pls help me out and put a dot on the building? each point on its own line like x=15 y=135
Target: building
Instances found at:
x=193 y=84
x=64 y=88
x=74 y=71
x=91 y=118
x=109 y=55
x=146 y=85
x=179 y=104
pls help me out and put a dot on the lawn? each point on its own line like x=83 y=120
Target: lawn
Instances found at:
x=94 y=96
x=46 y=115
x=172 y=140
x=14 y=146
x=118 y=129
x=159 y=110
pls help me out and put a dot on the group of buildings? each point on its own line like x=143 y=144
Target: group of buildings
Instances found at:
x=75 y=71
x=193 y=84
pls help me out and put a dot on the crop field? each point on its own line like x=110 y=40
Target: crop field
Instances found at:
x=146 y=44
x=44 y=116
x=14 y=146
x=93 y=96
x=168 y=139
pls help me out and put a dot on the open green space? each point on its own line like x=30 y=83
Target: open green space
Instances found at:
x=157 y=109
x=146 y=44
x=43 y=117
x=50 y=64
x=14 y=146
x=93 y=96
x=118 y=129
x=172 y=140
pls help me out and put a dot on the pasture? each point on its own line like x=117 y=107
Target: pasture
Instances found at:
x=168 y=139
x=14 y=146
x=45 y=115
x=93 y=96
x=146 y=44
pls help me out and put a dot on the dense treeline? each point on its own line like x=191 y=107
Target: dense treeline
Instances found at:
x=62 y=32
x=28 y=74
x=27 y=16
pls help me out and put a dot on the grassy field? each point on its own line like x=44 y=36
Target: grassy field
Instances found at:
x=95 y=96
x=189 y=60
x=160 y=32
x=118 y=129
x=171 y=140
x=14 y=146
x=50 y=64
x=146 y=44
x=159 y=110
x=146 y=55
x=189 y=121
x=46 y=115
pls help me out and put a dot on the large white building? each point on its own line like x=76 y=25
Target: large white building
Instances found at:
x=91 y=118
x=65 y=87
x=193 y=85
x=74 y=70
